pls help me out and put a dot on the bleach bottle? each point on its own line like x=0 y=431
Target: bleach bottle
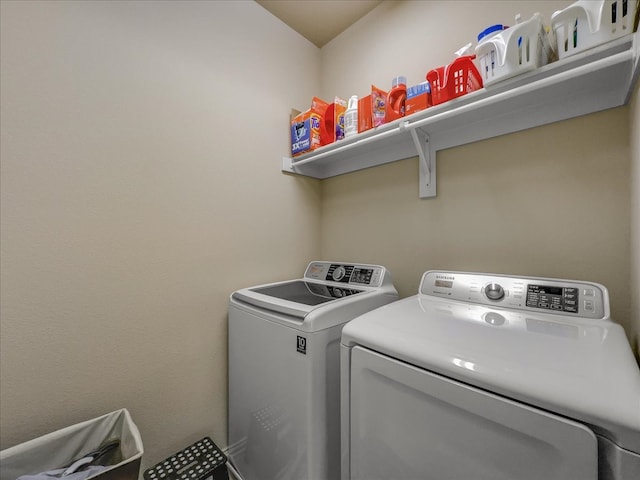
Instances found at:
x=396 y=99
x=351 y=118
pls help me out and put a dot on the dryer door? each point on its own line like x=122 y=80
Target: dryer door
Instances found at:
x=407 y=423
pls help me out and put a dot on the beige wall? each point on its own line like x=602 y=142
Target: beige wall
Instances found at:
x=551 y=201
x=141 y=185
x=141 y=147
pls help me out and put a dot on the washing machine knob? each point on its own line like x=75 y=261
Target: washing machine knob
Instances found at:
x=494 y=291
x=338 y=273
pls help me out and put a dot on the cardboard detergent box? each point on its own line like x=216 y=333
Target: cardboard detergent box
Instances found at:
x=334 y=120
x=417 y=98
x=365 y=119
x=301 y=136
x=371 y=109
x=378 y=105
x=321 y=125
x=307 y=128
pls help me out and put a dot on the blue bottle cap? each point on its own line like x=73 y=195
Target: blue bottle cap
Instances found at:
x=489 y=30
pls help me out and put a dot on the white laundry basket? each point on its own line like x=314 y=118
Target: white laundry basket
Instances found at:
x=588 y=23
x=515 y=50
x=61 y=448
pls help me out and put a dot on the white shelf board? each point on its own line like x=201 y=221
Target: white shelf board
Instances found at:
x=591 y=81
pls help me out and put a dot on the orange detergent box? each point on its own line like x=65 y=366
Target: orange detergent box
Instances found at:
x=334 y=120
x=364 y=114
x=378 y=105
x=308 y=128
x=371 y=109
x=302 y=140
x=417 y=98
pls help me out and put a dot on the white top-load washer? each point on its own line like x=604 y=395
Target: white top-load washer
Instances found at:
x=284 y=369
x=490 y=377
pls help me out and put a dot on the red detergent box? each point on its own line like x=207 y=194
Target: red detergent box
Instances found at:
x=417 y=98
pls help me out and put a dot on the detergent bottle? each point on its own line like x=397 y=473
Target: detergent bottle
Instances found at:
x=396 y=99
x=351 y=117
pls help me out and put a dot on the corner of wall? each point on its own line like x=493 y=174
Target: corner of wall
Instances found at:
x=635 y=217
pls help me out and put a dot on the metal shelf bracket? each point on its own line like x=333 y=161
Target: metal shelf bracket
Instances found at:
x=427 y=162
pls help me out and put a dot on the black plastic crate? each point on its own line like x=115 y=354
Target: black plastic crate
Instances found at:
x=201 y=461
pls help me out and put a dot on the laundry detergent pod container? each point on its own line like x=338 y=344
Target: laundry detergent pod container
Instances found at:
x=588 y=23
x=513 y=51
x=454 y=80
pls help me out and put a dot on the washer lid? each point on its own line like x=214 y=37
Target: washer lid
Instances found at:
x=577 y=367
x=306 y=292
x=326 y=288
x=296 y=298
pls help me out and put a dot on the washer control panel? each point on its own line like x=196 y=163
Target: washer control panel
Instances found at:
x=563 y=299
x=353 y=274
x=548 y=295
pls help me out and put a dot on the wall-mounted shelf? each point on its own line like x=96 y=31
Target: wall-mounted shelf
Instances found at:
x=591 y=81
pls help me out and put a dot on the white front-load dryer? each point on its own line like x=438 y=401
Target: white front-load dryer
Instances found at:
x=284 y=369
x=490 y=377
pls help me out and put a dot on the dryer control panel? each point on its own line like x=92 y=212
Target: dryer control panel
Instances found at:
x=544 y=295
x=353 y=274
